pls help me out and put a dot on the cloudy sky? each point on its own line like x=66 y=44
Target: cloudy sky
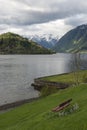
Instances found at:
x=27 y=17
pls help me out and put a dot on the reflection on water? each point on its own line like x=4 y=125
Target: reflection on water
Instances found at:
x=18 y=71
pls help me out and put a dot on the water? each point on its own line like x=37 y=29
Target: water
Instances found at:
x=17 y=72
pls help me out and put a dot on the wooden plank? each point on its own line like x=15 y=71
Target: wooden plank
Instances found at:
x=62 y=106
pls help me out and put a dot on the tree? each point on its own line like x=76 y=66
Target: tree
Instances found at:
x=76 y=67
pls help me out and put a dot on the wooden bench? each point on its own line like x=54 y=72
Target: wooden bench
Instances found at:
x=62 y=106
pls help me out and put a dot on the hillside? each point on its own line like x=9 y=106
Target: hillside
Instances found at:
x=11 y=43
x=38 y=116
x=73 y=41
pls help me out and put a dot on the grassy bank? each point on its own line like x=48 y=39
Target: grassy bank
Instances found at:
x=68 y=78
x=35 y=115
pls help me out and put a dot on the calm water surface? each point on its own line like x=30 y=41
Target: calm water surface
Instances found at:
x=18 y=71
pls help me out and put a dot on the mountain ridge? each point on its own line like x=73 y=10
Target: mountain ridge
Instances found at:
x=47 y=41
x=73 y=41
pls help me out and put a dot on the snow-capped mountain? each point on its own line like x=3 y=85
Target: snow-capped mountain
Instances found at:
x=47 y=41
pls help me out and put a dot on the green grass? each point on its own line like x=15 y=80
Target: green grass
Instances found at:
x=67 y=78
x=34 y=116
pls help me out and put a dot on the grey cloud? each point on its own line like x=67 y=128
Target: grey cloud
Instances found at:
x=20 y=13
x=52 y=10
x=2 y=27
x=77 y=19
x=31 y=17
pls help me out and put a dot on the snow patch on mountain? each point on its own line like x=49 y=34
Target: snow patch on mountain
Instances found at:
x=47 y=41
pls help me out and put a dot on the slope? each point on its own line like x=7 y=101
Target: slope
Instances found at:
x=38 y=116
x=73 y=41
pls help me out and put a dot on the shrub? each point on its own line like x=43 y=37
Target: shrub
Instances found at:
x=85 y=78
x=47 y=90
x=69 y=110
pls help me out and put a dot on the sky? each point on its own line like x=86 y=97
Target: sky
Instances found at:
x=38 y=17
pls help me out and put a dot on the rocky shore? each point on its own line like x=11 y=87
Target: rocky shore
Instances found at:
x=16 y=104
x=40 y=83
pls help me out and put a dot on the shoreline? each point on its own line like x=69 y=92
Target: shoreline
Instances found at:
x=8 y=106
x=15 y=104
x=39 y=83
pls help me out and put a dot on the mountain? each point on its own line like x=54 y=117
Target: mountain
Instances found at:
x=73 y=41
x=11 y=43
x=47 y=41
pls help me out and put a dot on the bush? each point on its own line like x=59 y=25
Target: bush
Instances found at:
x=84 y=78
x=47 y=90
x=69 y=110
